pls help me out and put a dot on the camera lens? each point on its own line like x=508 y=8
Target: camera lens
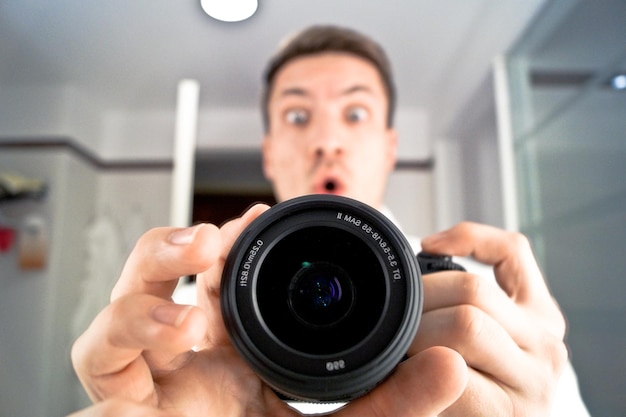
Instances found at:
x=321 y=295
x=319 y=289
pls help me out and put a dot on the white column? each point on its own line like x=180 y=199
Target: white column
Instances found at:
x=184 y=152
x=506 y=144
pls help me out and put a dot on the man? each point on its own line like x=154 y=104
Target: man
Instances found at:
x=481 y=349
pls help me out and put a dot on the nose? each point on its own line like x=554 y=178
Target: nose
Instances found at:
x=327 y=141
x=324 y=152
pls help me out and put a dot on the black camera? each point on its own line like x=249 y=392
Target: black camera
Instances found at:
x=322 y=296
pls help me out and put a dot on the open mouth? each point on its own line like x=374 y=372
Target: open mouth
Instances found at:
x=330 y=186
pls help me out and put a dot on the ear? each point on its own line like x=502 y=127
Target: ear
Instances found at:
x=266 y=149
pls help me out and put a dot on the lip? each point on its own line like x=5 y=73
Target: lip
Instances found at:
x=329 y=185
x=329 y=171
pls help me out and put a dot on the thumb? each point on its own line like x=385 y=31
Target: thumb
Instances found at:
x=423 y=385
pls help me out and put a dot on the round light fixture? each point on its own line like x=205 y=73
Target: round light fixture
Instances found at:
x=618 y=82
x=229 y=10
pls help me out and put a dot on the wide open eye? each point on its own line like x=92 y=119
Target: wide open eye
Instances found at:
x=357 y=114
x=297 y=117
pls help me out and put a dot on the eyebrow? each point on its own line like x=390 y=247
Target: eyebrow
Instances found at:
x=301 y=92
x=356 y=89
x=294 y=91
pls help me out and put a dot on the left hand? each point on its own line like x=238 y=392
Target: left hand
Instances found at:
x=510 y=334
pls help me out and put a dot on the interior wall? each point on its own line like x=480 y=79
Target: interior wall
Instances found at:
x=93 y=217
x=50 y=111
x=37 y=304
x=410 y=198
x=467 y=176
x=480 y=162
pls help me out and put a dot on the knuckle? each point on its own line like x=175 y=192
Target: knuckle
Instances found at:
x=112 y=326
x=469 y=321
x=472 y=289
x=519 y=241
x=466 y=228
x=77 y=356
x=559 y=355
x=559 y=328
x=548 y=370
x=145 y=241
x=83 y=355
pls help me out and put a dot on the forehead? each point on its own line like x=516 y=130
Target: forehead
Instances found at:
x=327 y=74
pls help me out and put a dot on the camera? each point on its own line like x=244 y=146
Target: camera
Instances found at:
x=322 y=296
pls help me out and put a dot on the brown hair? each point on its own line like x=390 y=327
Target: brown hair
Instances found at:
x=319 y=39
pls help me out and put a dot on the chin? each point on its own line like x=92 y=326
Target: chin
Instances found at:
x=331 y=192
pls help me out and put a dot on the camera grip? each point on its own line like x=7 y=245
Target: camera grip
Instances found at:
x=430 y=263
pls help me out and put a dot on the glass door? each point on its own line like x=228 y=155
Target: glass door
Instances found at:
x=567 y=89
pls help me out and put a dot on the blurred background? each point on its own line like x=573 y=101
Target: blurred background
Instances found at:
x=510 y=113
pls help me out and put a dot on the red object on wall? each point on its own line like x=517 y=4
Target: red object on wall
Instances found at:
x=7 y=236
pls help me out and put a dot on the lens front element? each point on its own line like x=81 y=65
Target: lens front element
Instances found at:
x=320 y=289
x=321 y=294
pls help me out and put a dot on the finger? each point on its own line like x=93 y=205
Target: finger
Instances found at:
x=108 y=357
x=515 y=267
x=229 y=233
x=209 y=282
x=480 y=340
x=450 y=289
x=162 y=255
x=424 y=385
x=482 y=397
x=506 y=251
x=117 y=407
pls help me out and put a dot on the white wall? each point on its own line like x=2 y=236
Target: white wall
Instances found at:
x=137 y=134
x=33 y=110
x=50 y=110
x=468 y=178
x=40 y=308
x=36 y=305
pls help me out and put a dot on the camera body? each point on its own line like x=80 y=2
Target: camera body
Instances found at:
x=322 y=296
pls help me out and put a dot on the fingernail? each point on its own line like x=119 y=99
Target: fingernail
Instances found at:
x=184 y=236
x=171 y=314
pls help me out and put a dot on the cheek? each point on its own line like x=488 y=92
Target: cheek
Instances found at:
x=373 y=156
x=288 y=156
x=288 y=161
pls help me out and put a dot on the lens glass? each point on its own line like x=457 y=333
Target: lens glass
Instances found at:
x=321 y=294
x=321 y=290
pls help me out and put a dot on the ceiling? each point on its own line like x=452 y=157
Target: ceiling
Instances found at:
x=131 y=54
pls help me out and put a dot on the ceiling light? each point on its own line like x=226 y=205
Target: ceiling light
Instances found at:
x=229 y=10
x=618 y=82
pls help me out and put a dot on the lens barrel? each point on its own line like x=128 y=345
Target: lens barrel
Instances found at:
x=322 y=296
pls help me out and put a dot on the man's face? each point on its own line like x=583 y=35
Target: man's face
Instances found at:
x=328 y=130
